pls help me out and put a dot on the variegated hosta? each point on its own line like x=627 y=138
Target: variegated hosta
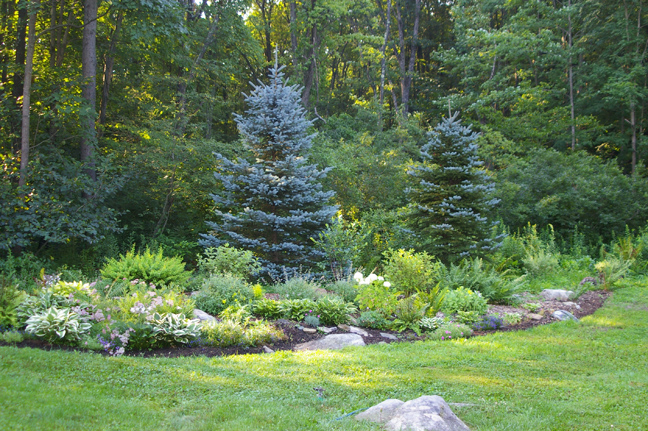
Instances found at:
x=174 y=328
x=57 y=325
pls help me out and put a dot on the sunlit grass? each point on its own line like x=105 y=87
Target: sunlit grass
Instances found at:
x=565 y=376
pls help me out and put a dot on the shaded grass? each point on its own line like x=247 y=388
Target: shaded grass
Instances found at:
x=590 y=375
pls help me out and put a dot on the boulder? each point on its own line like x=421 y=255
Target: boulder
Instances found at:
x=267 y=349
x=202 y=316
x=427 y=413
x=327 y=330
x=557 y=294
x=564 y=315
x=534 y=316
x=388 y=336
x=332 y=342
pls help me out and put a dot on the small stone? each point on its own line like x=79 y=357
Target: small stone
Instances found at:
x=300 y=327
x=267 y=349
x=534 y=316
x=572 y=304
x=353 y=320
x=332 y=342
x=326 y=330
x=388 y=336
x=358 y=331
x=557 y=294
x=344 y=327
x=309 y=330
x=564 y=315
x=202 y=316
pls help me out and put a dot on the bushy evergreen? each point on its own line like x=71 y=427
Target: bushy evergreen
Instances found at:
x=451 y=195
x=274 y=205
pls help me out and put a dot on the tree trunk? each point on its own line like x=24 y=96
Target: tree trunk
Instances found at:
x=108 y=70
x=633 y=125
x=89 y=88
x=29 y=68
x=406 y=85
x=570 y=41
x=293 y=31
x=382 y=53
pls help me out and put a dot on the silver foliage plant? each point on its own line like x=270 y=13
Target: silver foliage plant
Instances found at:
x=57 y=325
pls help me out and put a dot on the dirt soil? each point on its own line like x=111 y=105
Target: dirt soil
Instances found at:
x=589 y=302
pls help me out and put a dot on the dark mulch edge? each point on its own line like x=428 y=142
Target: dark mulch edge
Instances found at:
x=589 y=302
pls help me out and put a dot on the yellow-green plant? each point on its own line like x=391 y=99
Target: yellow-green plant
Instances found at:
x=377 y=295
x=150 y=267
x=612 y=270
x=410 y=271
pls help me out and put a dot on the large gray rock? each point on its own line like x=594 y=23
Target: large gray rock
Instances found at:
x=564 y=315
x=427 y=413
x=202 y=316
x=557 y=294
x=332 y=342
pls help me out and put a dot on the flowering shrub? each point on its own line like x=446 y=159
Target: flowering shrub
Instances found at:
x=376 y=294
x=57 y=325
x=451 y=331
x=489 y=323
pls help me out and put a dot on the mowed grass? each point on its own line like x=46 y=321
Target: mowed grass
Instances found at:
x=591 y=375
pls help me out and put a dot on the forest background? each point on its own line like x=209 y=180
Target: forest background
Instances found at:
x=110 y=113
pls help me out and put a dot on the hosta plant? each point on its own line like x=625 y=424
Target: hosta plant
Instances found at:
x=333 y=311
x=174 y=328
x=57 y=325
x=33 y=305
x=431 y=323
x=296 y=309
x=266 y=308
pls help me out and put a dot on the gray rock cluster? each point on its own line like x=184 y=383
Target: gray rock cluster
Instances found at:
x=557 y=294
x=427 y=413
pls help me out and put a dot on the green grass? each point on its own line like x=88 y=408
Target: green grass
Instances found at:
x=591 y=375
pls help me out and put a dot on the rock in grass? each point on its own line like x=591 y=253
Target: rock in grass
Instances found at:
x=564 y=315
x=267 y=349
x=557 y=294
x=427 y=413
x=202 y=316
x=332 y=342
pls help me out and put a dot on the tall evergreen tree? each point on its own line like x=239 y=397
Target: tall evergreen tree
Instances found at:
x=451 y=195
x=275 y=205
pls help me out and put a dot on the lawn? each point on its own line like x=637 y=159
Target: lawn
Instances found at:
x=591 y=375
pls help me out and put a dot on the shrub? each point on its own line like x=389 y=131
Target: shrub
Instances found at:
x=266 y=308
x=141 y=304
x=262 y=333
x=64 y=288
x=228 y=260
x=223 y=334
x=611 y=270
x=299 y=287
x=409 y=271
x=333 y=311
x=238 y=313
x=409 y=312
x=451 y=331
x=469 y=318
x=57 y=325
x=344 y=289
x=12 y=337
x=150 y=267
x=174 y=328
x=463 y=299
x=10 y=299
x=431 y=323
x=540 y=262
x=220 y=291
x=377 y=295
x=296 y=309
x=372 y=319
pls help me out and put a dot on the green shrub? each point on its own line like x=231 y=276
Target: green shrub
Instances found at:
x=409 y=312
x=297 y=288
x=228 y=260
x=611 y=270
x=220 y=291
x=174 y=328
x=10 y=299
x=344 y=289
x=474 y=275
x=238 y=313
x=64 y=288
x=266 y=308
x=540 y=262
x=372 y=319
x=262 y=333
x=378 y=296
x=12 y=337
x=409 y=271
x=451 y=331
x=433 y=298
x=463 y=299
x=333 y=311
x=469 y=318
x=296 y=309
x=57 y=325
x=223 y=334
x=150 y=267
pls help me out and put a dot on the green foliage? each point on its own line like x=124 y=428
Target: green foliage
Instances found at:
x=33 y=305
x=433 y=298
x=237 y=313
x=228 y=260
x=474 y=275
x=431 y=324
x=266 y=308
x=57 y=325
x=12 y=337
x=345 y=289
x=173 y=329
x=65 y=288
x=150 y=267
x=299 y=287
x=409 y=312
x=333 y=311
x=540 y=262
x=220 y=291
x=10 y=299
x=469 y=318
x=372 y=319
x=450 y=331
x=611 y=270
x=142 y=303
x=377 y=296
x=342 y=243
x=511 y=319
x=463 y=299
x=259 y=333
x=296 y=309
x=410 y=271
x=531 y=306
x=223 y=334
x=312 y=321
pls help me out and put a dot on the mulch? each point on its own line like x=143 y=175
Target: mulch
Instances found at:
x=589 y=302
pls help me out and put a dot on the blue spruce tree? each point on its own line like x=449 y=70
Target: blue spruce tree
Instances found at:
x=452 y=194
x=274 y=205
